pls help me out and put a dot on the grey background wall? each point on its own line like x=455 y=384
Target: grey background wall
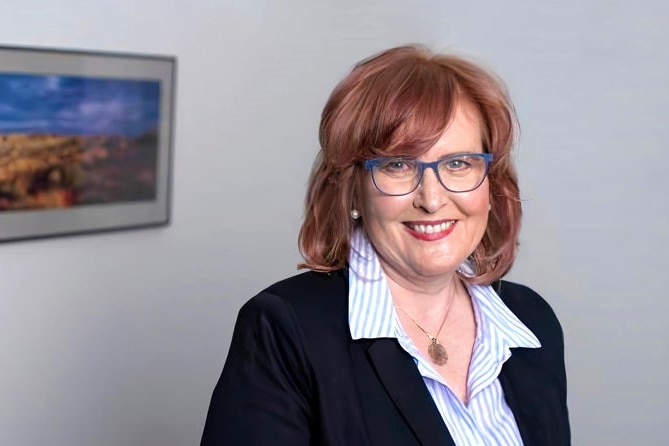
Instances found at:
x=118 y=339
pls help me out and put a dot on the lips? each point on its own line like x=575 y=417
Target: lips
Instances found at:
x=430 y=230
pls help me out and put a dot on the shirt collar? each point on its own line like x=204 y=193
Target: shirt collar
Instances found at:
x=372 y=313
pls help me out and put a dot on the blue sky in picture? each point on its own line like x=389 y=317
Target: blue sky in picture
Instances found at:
x=77 y=105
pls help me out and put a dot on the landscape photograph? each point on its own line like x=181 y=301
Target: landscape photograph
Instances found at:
x=69 y=141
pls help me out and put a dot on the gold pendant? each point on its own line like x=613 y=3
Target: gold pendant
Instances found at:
x=437 y=352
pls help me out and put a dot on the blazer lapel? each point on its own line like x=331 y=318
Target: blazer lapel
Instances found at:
x=522 y=385
x=399 y=376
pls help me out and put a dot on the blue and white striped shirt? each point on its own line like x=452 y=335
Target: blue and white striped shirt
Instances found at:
x=487 y=419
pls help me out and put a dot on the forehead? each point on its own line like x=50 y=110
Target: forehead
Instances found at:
x=462 y=134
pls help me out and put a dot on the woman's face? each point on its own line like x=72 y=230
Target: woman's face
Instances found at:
x=397 y=226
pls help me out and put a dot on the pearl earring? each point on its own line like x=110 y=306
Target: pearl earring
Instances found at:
x=355 y=214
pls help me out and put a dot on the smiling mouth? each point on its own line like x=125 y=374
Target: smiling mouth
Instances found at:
x=431 y=229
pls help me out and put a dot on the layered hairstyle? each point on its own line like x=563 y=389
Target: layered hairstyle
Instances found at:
x=398 y=103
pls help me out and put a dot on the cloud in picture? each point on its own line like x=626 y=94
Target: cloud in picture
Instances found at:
x=77 y=105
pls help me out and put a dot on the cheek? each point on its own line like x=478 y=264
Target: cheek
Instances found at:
x=382 y=209
x=474 y=207
x=375 y=207
x=477 y=203
x=376 y=212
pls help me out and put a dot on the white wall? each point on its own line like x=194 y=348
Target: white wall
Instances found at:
x=118 y=339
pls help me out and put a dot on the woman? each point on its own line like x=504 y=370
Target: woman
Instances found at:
x=402 y=333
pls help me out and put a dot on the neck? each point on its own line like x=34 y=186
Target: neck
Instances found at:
x=427 y=304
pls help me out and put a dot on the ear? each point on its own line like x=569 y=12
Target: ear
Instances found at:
x=357 y=201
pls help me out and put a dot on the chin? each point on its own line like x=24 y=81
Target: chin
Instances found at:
x=445 y=262
x=437 y=270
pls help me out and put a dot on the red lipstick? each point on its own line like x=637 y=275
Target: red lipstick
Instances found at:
x=430 y=236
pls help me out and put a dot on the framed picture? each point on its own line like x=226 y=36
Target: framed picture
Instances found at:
x=85 y=141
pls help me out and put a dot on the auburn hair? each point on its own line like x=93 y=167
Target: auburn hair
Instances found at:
x=398 y=103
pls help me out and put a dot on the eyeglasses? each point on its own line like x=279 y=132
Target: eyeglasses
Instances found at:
x=397 y=176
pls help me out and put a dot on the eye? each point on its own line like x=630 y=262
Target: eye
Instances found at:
x=457 y=164
x=397 y=167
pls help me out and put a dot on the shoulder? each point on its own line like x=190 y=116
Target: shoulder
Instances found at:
x=535 y=312
x=528 y=305
x=536 y=378
x=308 y=284
x=308 y=290
x=307 y=300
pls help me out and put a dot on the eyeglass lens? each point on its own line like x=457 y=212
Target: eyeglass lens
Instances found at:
x=398 y=176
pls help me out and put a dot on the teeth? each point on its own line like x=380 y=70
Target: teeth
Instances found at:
x=431 y=229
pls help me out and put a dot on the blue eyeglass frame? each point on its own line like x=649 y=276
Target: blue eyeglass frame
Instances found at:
x=434 y=165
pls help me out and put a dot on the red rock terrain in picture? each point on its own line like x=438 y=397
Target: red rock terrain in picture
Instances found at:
x=58 y=171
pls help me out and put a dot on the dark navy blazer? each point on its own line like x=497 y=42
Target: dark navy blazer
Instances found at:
x=294 y=376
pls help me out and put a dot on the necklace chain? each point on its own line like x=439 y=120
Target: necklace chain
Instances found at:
x=436 y=350
x=430 y=337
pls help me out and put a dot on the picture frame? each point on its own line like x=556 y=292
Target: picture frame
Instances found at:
x=86 y=141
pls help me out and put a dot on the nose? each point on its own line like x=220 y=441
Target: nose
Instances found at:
x=430 y=194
